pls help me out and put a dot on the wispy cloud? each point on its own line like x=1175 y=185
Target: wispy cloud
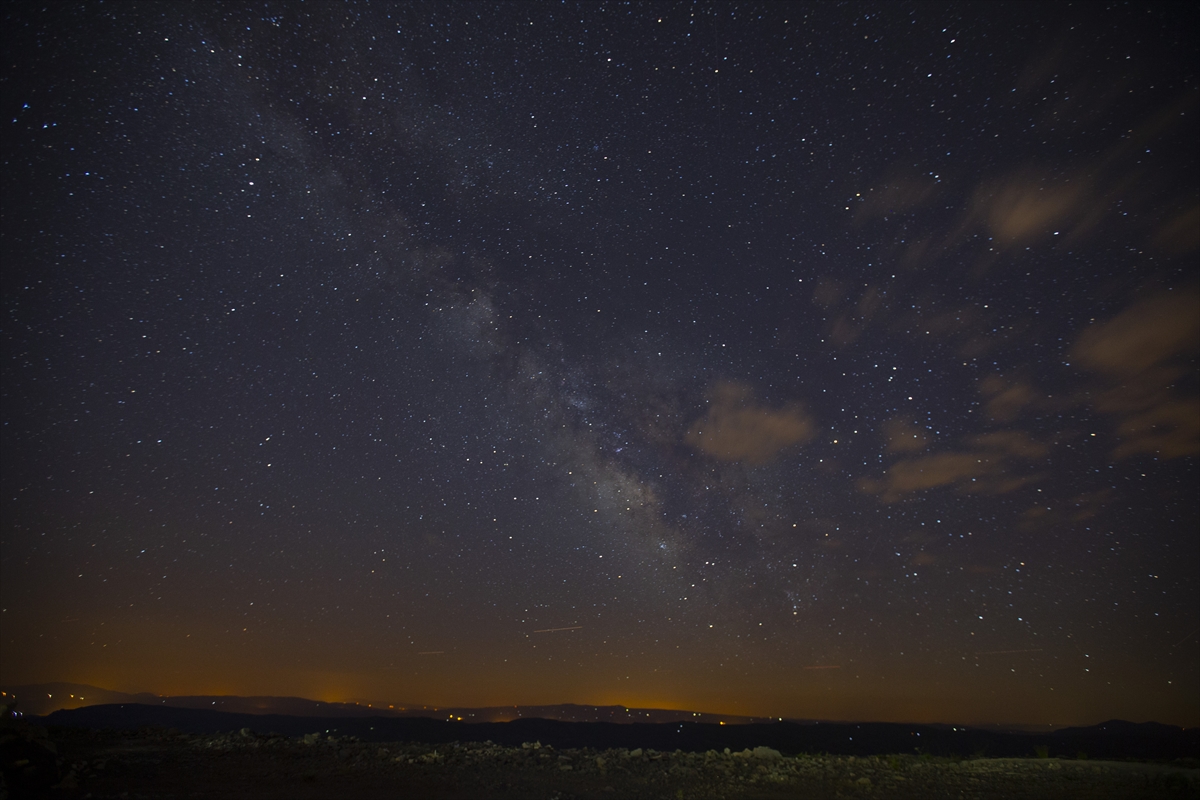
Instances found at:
x=903 y=436
x=1006 y=397
x=1140 y=357
x=736 y=428
x=984 y=464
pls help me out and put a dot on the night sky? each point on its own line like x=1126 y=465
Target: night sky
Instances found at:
x=816 y=361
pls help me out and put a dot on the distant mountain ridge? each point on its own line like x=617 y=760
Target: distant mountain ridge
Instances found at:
x=1112 y=739
x=45 y=698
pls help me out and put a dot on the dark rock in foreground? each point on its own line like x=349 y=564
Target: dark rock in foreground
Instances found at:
x=28 y=759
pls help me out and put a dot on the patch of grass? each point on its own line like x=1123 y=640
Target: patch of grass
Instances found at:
x=1173 y=781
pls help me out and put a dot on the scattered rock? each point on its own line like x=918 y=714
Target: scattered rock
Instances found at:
x=769 y=754
x=277 y=767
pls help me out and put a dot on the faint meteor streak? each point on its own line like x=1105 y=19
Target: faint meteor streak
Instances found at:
x=1184 y=639
x=552 y=630
x=1005 y=652
x=431 y=653
x=826 y=666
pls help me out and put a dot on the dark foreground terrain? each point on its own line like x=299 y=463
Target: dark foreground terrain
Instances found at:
x=247 y=765
x=154 y=762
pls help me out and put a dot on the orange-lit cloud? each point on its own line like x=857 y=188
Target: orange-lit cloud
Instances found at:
x=1144 y=336
x=1059 y=515
x=1139 y=356
x=899 y=192
x=1088 y=504
x=1044 y=203
x=1006 y=398
x=848 y=325
x=737 y=429
x=915 y=474
x=904 y=437
x=984 y=465
x=1024 y=206
x=1180 y=234
x=1169 y=429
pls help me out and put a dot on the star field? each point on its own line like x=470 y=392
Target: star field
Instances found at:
x=811 y=361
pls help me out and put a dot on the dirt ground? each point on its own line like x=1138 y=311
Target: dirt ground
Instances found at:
x=157 y=765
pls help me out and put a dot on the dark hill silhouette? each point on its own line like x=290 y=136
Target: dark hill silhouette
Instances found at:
x=1115 y=739
x=42 y=699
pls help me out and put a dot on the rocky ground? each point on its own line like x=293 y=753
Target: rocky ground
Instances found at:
x=150 y=764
